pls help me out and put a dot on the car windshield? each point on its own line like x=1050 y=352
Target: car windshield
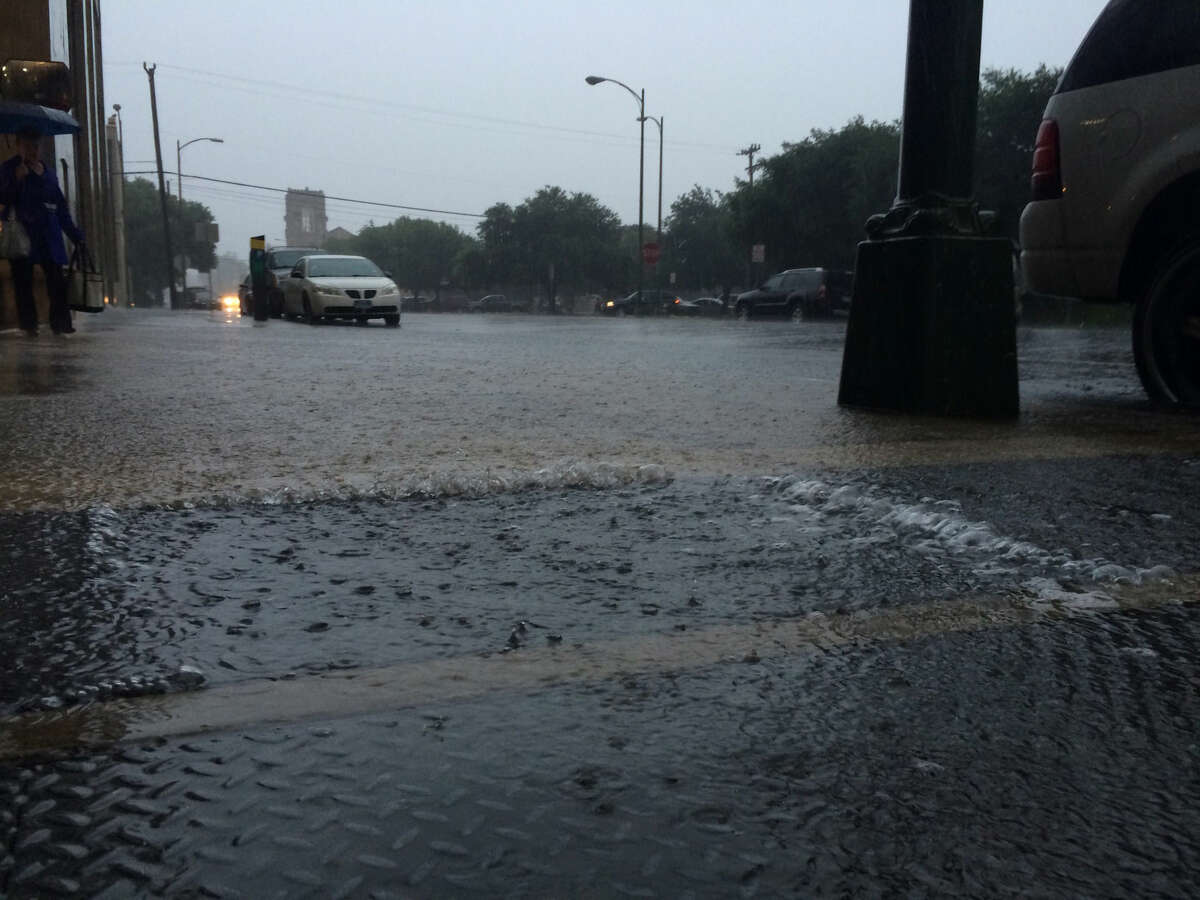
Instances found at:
x=285 y=259
x=773 y=283
x=342 y=266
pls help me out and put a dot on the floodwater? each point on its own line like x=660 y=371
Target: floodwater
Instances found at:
x=633 y=591
x=159 y=409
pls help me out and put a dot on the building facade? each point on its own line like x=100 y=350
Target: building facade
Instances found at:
x=304 y=218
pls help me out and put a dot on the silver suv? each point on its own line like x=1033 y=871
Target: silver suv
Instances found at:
x=1115 y=212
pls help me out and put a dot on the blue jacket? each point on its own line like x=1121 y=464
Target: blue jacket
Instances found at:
x=41 y=208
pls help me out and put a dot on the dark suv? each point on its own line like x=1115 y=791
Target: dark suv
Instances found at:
x=798 y=293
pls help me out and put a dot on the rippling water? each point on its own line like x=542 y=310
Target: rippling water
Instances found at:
x=974 y=701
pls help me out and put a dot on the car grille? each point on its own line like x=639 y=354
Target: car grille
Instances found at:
x=352 y=311
x=366 y=295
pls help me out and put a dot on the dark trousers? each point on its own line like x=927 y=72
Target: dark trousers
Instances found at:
x=56 y=287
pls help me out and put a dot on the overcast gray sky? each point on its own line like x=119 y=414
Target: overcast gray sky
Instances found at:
x=460 y=104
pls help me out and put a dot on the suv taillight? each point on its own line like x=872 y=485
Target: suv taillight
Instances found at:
x=1046 y=181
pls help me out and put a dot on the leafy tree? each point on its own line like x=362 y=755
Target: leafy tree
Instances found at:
x=810 y=203
x=552 y=239
x=701 y=246
x=1010 y=107
x=420 y=253
x=144 y=238
x=498 y=234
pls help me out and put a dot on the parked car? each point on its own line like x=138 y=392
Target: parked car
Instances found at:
x=246 y=297
x=416 y=304
x=325 y=287
x=1115 y=207
x=648 y=301
x=701 y=306
x=198 y=298
x=279 y=264
x=499 y=303
x=798 y=293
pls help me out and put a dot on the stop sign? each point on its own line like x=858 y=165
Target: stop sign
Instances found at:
x=650 y=253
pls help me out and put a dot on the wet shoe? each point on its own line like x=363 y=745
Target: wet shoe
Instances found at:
x=30 y=332
x=68 y=330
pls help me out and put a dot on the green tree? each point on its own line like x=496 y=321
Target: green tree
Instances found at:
x=144 y=243
x=1010 y=108
x=811 y=201
x=420 y=253
x=700 y=245
x=552 y=239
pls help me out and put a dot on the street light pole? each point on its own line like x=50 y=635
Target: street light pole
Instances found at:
x=658 y=231
x=179 y=177
x=640 y=99
x=179 y=161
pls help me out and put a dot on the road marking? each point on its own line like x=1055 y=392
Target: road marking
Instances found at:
x=415 y=684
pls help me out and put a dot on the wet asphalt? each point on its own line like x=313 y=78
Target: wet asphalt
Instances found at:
x=626 y=607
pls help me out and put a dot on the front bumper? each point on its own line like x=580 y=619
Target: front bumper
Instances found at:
x=339 y=309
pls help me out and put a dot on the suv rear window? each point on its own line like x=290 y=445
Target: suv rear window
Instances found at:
x=1135 y=37
x=285 y=259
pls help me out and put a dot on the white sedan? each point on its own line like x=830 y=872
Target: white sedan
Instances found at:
x=341 y=287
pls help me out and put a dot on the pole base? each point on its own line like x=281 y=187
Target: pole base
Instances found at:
x=932 y=328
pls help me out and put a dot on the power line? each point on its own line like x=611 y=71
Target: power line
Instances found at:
x=263 y=187
x=312 y=95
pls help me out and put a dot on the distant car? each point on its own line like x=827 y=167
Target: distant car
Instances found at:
x=323 y=287
x=416 y=304
x=701 y=306
x=797 y=294
x=198 y=298
x=279 y=264
x=1115 y=207
x=246 y=297
x=646 y=302
x=499 y=303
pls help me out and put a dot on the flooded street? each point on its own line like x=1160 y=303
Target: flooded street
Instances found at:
x=531 y=606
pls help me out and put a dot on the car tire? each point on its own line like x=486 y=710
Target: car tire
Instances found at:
x=392 y=321
x=744 y=311
x=308 y=313
x=1166 y=328
x=797 y=311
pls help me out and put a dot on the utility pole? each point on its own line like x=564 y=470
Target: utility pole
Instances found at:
x=162 y=190
x=751 y=165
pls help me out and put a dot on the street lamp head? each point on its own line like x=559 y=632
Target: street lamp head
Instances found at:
x=594 y=79
x=217 y=140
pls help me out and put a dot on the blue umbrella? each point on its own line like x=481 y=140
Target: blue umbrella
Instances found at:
x=16 y=116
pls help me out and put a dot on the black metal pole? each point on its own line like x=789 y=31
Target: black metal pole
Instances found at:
x=941 y=95
x=934 y=192
x=932 y=325
x=641 y=265
x=162 y=189
x=658 y=231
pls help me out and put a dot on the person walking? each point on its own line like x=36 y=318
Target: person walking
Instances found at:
x=30 y=188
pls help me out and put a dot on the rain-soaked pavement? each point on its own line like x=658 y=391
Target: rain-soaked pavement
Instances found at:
x=517 y=606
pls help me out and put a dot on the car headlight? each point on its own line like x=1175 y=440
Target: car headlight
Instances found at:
x=388 y=291
x=326 y=289
x=609 y=304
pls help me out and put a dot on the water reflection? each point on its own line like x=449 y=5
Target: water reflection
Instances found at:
x=33 y=372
